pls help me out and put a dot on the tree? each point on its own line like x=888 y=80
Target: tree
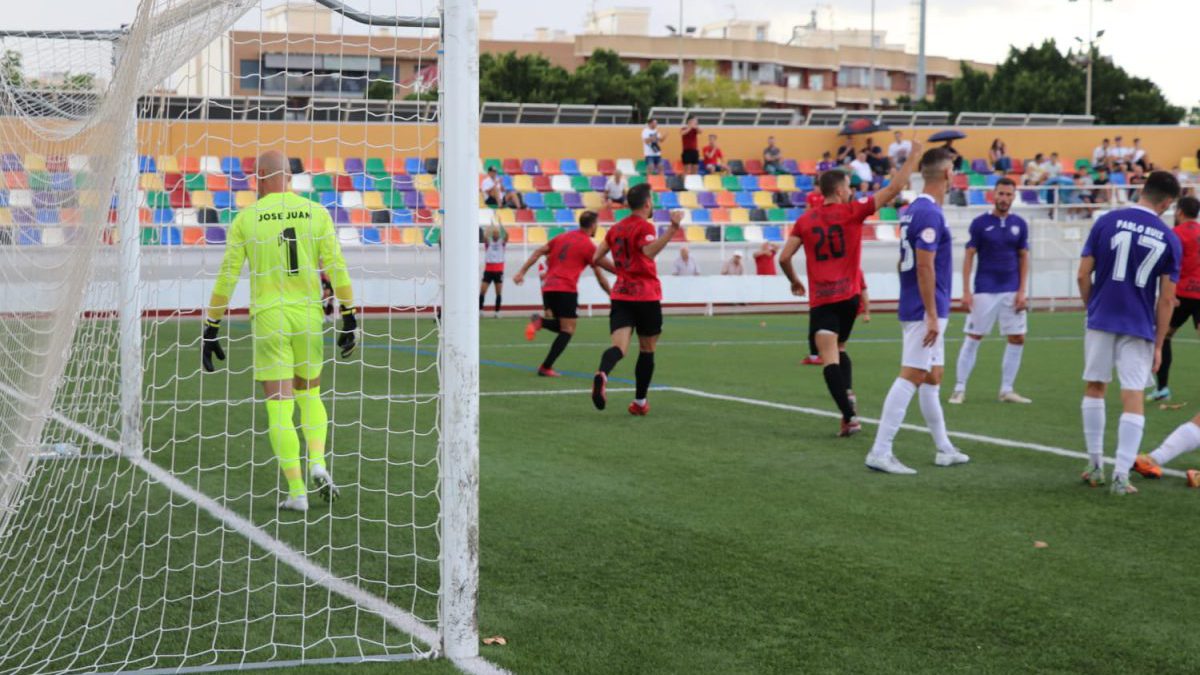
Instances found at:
x=78 y=81
x=381 y=90
x=718 y=91
x=11 y=71
x=1042 y=79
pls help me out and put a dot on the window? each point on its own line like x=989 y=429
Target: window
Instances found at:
x=816 y=82
x=793 y=81
x=767 y=73
x=634 y=68
x=249 y=72
x=760 y=34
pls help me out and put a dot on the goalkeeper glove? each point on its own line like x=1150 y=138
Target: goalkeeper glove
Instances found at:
x=347 y=334
x=210 y=345
x=327 y=294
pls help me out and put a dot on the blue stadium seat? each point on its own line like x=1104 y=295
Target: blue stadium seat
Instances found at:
x=804 y=183
x=976 y=198
x=370 y=235
x=232 y=166
x=327 y=199
x=569 y=167
x=170 y=236
x=992 y=179
x=772 y=233
x=146 y=165
x=793 y=214
x=47 y=216
x=701 y=216
x=402 y=217
x=413 y=166
x=29 y=236
x=745 y=200
x=163 y=216
x=362 y=182
x=564 y=216
x=749 y=183
x=507 y=182
x=669 y=200
x=534 y=200
x=222 y=200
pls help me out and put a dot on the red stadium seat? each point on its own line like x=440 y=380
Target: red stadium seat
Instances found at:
x=606 y=216
x=542 y=183
x=550 y=167
x=173 y=182
x=512 y=167
x=516 y=235
x=343 y=183
x=248 y=165
x=394 y=165
x=606 y=167
x=719 y=215
x=525 y=216
x=726 y=199
x=807 y=167
x=679 y=235
x=189 y=164
x=1018 y=166
x=767 y=183
x=960 y=182
x=180 y=199
x=754 y=167
x=658 y=182
x=16 y=180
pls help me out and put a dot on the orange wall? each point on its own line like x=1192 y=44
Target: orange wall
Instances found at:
x=1164 y=144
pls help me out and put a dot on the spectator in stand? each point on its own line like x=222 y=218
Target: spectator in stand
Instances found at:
x=772 y=157
x=899 y=150
x=1119 y=154
x=652 y=140
x=958 y=158
x=1080 y=193
x=862 y=169
x=734 y=266
x=685 y=264
x=875 y=157
x=1053 y=167
x=614 y=190
x=1101 y=195
x=826 y=163
x=493 y=191
x=1100 y=155
x=998 y=157
x=1037 y=171
x=764 y=260
x=846 y=153
x=513 y=200
x=689 y=137
x=714 y=159
x=1139 y=155
x=1137 y=178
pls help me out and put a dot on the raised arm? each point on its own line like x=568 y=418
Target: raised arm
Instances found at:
x=888 y=194
x=790 y=248
x=519 y=277
x=655 y=247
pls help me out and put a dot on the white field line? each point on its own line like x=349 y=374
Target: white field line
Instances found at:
x=978 y=438
x=385 y=397
x=798 y=340
x=395 y=616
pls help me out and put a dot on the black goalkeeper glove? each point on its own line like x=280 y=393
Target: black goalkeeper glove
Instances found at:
x=327 y=294
x=347 y=334
x=211 y=345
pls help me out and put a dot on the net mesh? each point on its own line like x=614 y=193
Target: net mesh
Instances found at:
x=160 y=545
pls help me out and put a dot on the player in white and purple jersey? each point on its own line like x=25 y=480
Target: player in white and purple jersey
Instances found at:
x=1000 y=240
x=926 y=272
x=1127 y=274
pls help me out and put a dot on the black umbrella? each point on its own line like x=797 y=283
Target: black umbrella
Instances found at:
x=948 y=135
x=863 y=125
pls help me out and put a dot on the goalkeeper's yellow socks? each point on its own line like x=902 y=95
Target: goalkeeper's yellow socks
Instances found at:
x=286 y=443
x=315 y=423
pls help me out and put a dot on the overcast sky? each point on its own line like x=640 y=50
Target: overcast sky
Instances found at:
x=1150 y=38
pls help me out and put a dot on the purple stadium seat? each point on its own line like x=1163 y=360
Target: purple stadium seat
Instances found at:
x=402 y=183
x=413 y=200
x=661 y=216
x=797 y=198
x=572 y=200
x=239 y=184
x=597 y=183
x=355 y=165
x=980 y=166
x=707 y=199
x=1029 y=197
x=340 y=216
x=23 y=215
x=790 y=166
x=531 y=167
x=214 y=234
x=11 y=162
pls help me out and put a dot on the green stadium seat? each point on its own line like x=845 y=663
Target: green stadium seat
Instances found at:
x=553 y=200
x=889 y=214
x=555 y=231
x=580 y=184
x=376 y=168
x=227 y=216
x=544 y=216
x=734 y=234
x=777 y=215
x=731 y=183
x=492 y=163
x=194 y=182
x=621 y=214
x=977 y=180
x=433 y=236
x=158 y=200
x=636 y=180
x=394 y=200
x=151 y=236
x=323 y=182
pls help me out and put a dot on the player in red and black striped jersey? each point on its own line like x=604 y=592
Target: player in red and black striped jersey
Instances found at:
x=1187 y=291
x=567 y=256
x=636 y=295
x=831 y=235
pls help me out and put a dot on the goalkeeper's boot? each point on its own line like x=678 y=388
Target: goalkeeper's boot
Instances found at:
x=534 y=325
x=1147 y=467
x=294 y=504
x=1093 y=476
x=1121 y=486
x=323 y=484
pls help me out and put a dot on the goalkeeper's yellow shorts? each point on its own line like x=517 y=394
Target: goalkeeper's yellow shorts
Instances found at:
x=288 y=342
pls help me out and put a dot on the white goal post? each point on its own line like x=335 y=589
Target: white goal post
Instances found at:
x=152 y=542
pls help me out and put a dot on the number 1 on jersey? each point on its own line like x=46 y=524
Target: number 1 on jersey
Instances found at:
x=288 y=238
x=1122 y=243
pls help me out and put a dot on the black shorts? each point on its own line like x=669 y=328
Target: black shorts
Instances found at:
x=493 y=277
x=1189 y=308
x=645 y=317
x=836 y=317
x=691 y=156
x=561 y=304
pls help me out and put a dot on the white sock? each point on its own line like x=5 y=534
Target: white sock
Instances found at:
x=895 y=406
x=1093 y=429
x=1184 y=439
x=1129 y=441
x=935 y=419
x=640 y=401
x=1009 y=367
x=966 y=362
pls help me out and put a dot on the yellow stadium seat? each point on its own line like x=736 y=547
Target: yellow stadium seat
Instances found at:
x=763 y=200
x=600 y=232
x=35 y=163
x=593 y=201
x=688 y=200
x=5 y=216
x=786 y=182
x=588 y=167
x=712 y=183
x=412 y=236
x=1189 y=164
x=167 y=164
x=695 y=233
x=151 y=182
x=536 y=235
x=423 y=182
x=373 y=200
x=523 y=183
x=202 y=199
x=506 y=217
x=244 y=199
x=739 y=216
x=335 y=165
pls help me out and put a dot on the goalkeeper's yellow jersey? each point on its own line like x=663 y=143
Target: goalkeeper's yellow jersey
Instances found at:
x=287 y=239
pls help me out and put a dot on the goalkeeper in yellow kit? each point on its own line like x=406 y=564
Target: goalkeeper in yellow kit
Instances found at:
x=285 y=238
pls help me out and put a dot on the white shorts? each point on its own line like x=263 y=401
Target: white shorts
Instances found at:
x=916 y=354
x=1133 y=358
x=991 y=306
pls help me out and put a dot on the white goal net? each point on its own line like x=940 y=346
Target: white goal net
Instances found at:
x=140 y=526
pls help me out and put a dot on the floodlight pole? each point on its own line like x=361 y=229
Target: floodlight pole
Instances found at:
x=679 y=34
x=920 y=92
x=871 y=73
